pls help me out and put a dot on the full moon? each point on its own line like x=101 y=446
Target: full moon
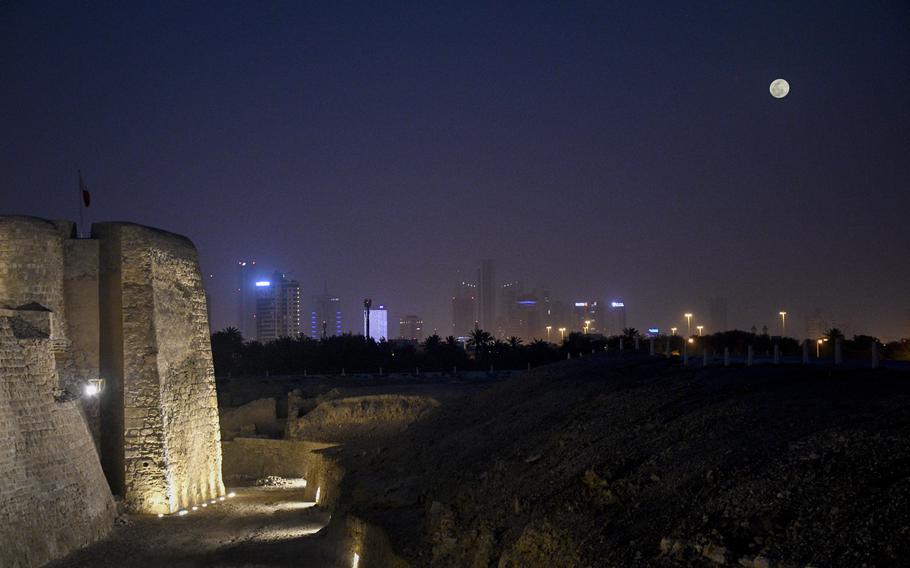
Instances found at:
x=779 y=88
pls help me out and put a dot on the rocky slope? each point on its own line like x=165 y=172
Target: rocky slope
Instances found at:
x=639 y=462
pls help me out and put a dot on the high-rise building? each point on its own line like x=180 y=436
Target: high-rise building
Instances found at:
x=464 y=309
x=277 y=308
x=717 y=315
x=486 y=295
x=616 y=317
x=379 y=323
x=410 y=328
x=246 y=298
x=509 y=321
x=325 y=316
x=588 y=316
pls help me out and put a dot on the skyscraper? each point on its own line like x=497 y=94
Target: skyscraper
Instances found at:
x=325 y=315
x=277 y=308
x=379 y=323
x=616 y=317
x=410 y=327
x=486 y=295
x=246 y=298
x=464 y=309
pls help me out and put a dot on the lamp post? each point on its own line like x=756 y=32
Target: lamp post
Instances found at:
x=783 y=324
x=818 y=347
x=549 y=327
x=673 y=331
x=562 y=333
x=587 y=325
x=699 y=328
x=688 y=324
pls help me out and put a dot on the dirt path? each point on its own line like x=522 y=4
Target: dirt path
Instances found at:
x=257 y=528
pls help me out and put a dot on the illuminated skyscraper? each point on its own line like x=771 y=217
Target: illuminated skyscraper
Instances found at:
x=325 y=316
x=616 y=317
x=379 y=323
x=411 y=328
x=464 y=309
x=246 y=298
x=277 y=308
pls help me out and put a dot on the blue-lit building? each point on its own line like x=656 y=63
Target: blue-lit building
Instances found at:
x=277 y=308
x=325 y=316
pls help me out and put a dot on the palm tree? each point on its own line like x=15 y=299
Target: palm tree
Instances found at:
x=479 y=340
x=432 y=342
x=630 y=333
x=514 y=342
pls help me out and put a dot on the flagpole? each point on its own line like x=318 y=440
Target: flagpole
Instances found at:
x=81 y=206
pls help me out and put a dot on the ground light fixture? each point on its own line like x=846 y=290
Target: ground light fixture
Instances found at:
x=93 y=387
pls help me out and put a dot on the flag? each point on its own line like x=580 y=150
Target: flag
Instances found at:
x=86 y=196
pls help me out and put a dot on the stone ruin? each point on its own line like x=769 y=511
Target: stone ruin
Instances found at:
x=125 y=306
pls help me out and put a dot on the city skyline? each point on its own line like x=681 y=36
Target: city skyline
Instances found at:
x=596 y=151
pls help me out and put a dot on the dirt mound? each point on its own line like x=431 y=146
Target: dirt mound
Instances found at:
x=359 y=418
x=609 y=462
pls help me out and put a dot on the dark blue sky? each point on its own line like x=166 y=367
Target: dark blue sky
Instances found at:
x=598 y=149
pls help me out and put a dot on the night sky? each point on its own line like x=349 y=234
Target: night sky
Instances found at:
x=598 y=149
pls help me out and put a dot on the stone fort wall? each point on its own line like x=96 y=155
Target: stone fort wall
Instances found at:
x=53 y=494
x=126 y=306
x=171 y=437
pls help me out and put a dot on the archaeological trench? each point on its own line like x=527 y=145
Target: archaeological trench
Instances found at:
x=119 y=447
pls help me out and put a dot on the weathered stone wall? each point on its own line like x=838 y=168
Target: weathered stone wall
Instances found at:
x=159 y=357
x=53 y=495
x=31 y=266
x=248 y=459
x=259 y=417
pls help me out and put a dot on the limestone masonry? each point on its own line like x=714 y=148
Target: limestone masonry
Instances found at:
x=126 y=306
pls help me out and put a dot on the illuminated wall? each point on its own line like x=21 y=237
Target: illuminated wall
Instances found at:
x=156 y=354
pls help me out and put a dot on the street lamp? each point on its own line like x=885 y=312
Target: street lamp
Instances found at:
x=699 y=328
x=783 y=324
x=549 y=327
x=673 y=331
x=688 y=324
x=818 y=346
x=562 y=333
x=587 y=325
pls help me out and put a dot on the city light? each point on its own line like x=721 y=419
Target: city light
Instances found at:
x=615 y=304
x=263 y=283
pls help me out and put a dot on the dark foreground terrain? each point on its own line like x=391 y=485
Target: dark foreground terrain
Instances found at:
x=639 y=462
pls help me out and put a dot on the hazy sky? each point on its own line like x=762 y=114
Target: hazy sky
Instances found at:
x=600 y=149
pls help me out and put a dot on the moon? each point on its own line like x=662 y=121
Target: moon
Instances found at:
x=779 y=88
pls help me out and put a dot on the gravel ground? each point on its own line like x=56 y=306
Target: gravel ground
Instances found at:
x=260 y=527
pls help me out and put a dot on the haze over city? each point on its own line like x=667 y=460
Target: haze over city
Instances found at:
x=602 y=152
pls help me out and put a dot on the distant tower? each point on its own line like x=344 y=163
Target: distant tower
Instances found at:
x=486 y=295
x=411 y=328
x=277 y=308
x=617 y=316
x=325 y=315
x=246 y=298
x=464 y=308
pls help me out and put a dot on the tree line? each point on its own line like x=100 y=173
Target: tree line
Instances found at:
x=235 y=357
